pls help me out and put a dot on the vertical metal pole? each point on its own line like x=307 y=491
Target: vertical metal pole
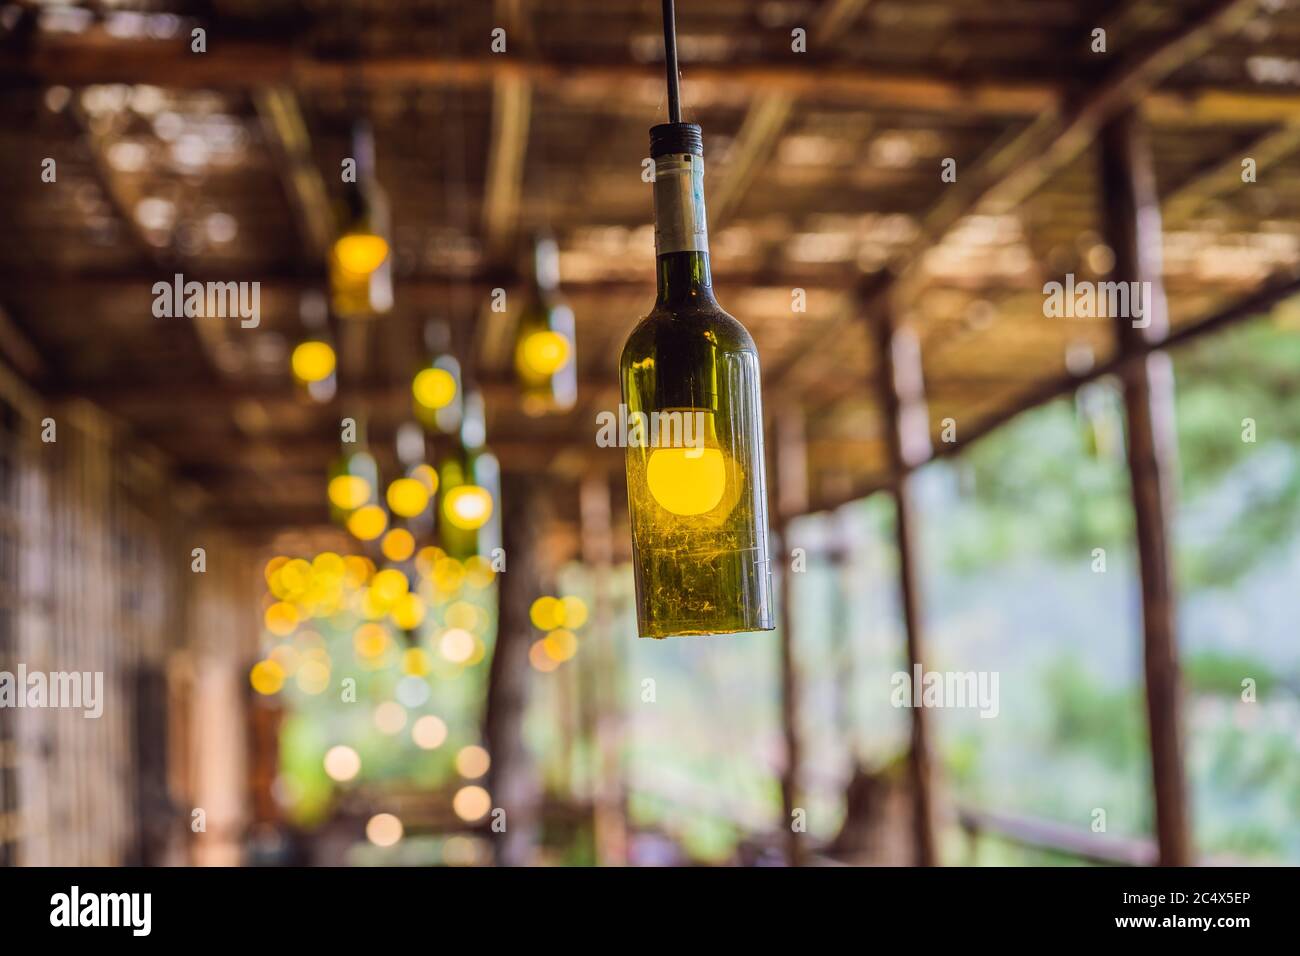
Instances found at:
x=1131 y=217
x=907 y=433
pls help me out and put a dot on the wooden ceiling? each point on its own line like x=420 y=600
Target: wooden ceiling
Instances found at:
x=824 y=174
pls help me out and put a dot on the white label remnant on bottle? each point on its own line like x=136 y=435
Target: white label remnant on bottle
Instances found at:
x=680 y=224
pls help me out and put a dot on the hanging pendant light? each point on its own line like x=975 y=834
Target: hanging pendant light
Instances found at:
x=545 y=360
x=436 y=388
x=469 y=483
x=697 y=493
x=360 y=263
x=314 y=361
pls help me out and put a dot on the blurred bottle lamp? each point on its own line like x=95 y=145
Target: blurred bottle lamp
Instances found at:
x=436 y=388
x=697 y=492
x=313 y=360
x=353 y=482
x=545 y=360
x=470 y=482
x=360 y=265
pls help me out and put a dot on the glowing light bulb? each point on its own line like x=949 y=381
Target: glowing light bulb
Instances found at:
x=360 y=253
x=368 y=522
x=468 y=506
x=398 y=544
x=312 y=361
x=429 y=732
x=267 y=677
x=426 y=476
x=408 y=497
x=546 y=613
x=342 y=763
x=472 y=762
x=544 y=353
x=687 y=481
x=434 y=388
x=384 y=829
x=471 y=803
x=408 y=612
x=281 y=618
x=348 y=492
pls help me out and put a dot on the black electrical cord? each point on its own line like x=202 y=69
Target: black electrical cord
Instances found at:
x=670 y=57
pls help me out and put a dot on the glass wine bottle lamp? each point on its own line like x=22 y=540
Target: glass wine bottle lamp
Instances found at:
x=360 y=265
x=544 y=355
x=697 y=492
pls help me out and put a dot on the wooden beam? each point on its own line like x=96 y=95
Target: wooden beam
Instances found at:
x=768 y=115
x=1019 y=163
x=1217 y=107
x=214 y=337
x=512 y=781
x=304 y=187
x=902 y=397
x=19 y=351
x=609 y=799
x=1131 y=219
x=511 y=110
x=94 y=57
x=1017 y=169
x=1224 y=177
x=1251 y=306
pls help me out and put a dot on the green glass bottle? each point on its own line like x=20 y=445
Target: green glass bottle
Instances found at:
x=545 y=362
x=697 y=492
x=469 y=485
x=360 y=261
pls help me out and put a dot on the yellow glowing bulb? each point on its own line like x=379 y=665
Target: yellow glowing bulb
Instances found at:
x=408 y=612
x=328 y=567
x=448 y=574
x=560 y=645
x=544 y=353
x=434 y=388
x=348 y=492
x=360 y=253
x=281 y=618
x=546 y=613
x=370 y=641
x=575 y=612
x=267 y=677
x=273 y=567
x=312 y=361
x=368 y=522
x=390 y=584
x=398 y=545
x=687 y=481
x=408 y=497
x=416 y=661
x=468 y=506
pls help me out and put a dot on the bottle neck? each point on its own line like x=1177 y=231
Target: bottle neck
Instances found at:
x=681 y=231
x=684 y=279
